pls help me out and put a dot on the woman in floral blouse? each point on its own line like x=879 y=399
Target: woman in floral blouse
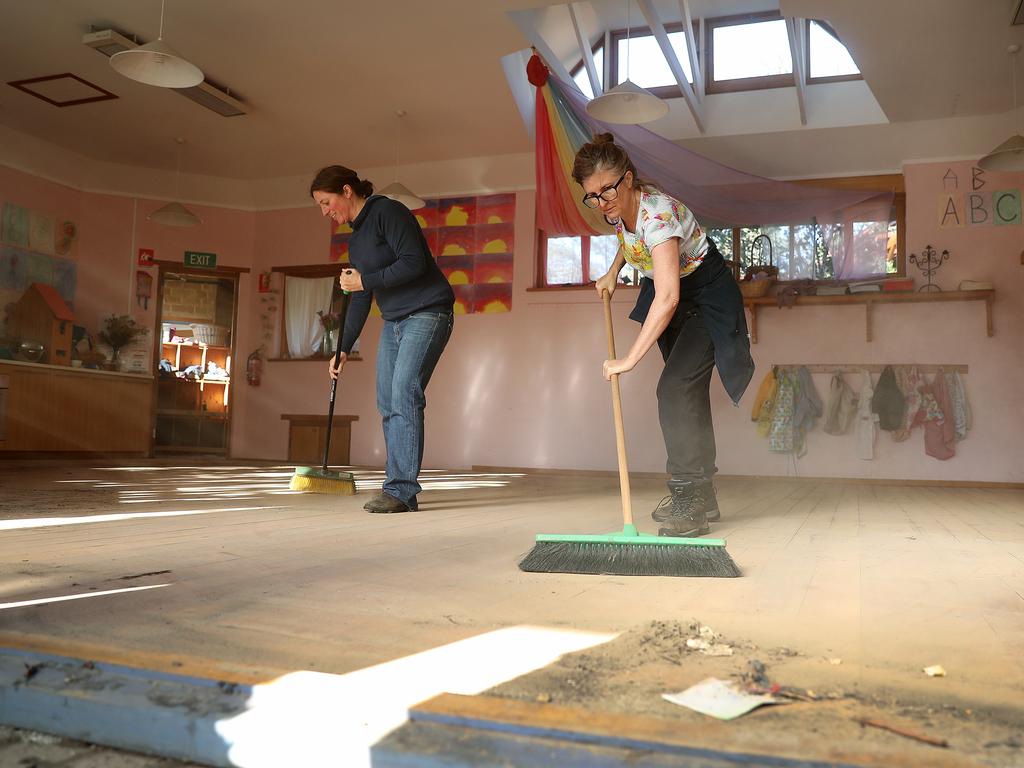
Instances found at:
x=689 y=304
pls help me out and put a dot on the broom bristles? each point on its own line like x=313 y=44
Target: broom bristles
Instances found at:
x=646 y=559
x=319 y=483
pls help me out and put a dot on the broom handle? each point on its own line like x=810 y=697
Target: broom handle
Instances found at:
x=620 y=434
x=334 y=384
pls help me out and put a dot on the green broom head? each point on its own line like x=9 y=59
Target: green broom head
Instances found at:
x=629 y=553
x=317 y=480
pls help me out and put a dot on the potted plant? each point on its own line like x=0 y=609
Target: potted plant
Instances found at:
x=118 y=332
x=330 y=322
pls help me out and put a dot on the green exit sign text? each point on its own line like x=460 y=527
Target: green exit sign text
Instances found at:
x=200 y=260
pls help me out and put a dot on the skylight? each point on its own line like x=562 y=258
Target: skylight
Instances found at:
x=583 y=81
x=829 y=57
x=647 y=66
x=759 y=49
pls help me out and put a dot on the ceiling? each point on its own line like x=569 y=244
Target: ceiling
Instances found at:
x=322 y=79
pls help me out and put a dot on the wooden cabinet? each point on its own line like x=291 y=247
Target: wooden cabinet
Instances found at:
x=192 y=409
x=49 y=409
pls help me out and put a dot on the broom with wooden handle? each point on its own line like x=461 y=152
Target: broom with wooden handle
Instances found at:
x=629 y=553
x=322 y=479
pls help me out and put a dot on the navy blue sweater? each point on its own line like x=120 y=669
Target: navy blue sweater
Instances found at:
x=389 y=250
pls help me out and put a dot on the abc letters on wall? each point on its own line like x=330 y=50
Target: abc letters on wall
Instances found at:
x=979 y=206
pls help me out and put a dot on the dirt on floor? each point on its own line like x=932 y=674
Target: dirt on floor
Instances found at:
x=823 y=696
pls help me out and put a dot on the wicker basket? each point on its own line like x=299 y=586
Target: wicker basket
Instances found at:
x=211 y=335
x=755 y=289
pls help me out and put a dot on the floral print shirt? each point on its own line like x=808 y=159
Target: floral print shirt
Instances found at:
x=659 y=219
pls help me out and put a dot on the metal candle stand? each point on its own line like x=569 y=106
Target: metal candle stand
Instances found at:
x=929 y=262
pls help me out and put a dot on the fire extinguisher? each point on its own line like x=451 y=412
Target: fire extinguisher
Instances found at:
x=254 y=368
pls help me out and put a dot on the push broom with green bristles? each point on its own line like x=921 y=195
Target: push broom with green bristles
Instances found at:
x=629 y=553
x=322 y=479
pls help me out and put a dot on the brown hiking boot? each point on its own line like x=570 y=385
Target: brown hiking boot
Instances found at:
x=687 y=516
x=375 y=500
x=386 y=504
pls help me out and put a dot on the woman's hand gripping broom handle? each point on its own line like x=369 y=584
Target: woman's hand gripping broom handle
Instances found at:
x=620 y=435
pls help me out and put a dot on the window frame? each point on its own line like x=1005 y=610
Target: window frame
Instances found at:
x=763 y=82
x=333 y=269
x=541 y=282
x=894 y=182
x=807 y=55
x=616 y=35
x=593 y=52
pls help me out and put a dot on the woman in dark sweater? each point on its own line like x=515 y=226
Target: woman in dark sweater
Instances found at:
x=391 y=262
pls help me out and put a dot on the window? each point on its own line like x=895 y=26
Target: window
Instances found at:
x=804 y=251
x=648 y=67
x=311 y=301
x=579 y=72
x=828 y=59
x=565 y=260
x=748 y=52
x=800 y=251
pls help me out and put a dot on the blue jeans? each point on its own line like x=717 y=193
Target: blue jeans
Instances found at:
x=408 y=351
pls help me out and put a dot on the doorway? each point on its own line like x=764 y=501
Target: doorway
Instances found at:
x=196 y=322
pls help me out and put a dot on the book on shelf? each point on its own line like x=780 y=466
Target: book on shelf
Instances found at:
x=865 y=287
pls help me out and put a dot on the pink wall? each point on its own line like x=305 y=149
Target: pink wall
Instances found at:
x=524 y=389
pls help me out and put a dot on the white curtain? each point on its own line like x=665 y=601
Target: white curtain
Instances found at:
x=303 y=297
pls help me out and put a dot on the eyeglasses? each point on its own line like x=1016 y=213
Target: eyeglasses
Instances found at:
x=593 y=199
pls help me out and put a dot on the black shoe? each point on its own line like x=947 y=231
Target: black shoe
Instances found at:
x=687 y=516
x=386 y=505
x=662 y=512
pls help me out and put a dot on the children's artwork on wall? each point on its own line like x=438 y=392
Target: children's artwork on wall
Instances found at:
x=12 y=269
x=65 y=238
x=340 y=233
x=65 y=275
x=472 y=239
x=15 y=225
x=979 y=207
x=40 y=233
x=38 y=269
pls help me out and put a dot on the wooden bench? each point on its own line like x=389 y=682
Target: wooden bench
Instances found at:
x=306 y=435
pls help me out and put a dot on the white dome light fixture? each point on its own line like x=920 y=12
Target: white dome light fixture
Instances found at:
x=157 y=63
x=175 y=214
x=627 y=103
x=1008 y=156
x=396 y=190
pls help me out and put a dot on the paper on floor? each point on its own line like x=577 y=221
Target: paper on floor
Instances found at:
x=719 y=698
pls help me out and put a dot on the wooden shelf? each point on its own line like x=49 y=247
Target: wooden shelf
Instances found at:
x=197 y=346
x=870 y=299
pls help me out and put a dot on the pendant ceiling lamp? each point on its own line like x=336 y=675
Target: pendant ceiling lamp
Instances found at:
x=627 y=102
x=157 y=63
x=396 y=190
x=175 y=214
x=1008 y=156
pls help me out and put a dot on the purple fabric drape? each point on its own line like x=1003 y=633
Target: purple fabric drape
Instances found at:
x=853 y=224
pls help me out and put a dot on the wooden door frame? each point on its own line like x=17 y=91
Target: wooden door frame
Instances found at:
x=163 y=267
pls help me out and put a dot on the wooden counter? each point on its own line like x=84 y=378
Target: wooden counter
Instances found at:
x=55 y=409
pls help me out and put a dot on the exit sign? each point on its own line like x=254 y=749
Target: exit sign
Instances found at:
x=200 y=260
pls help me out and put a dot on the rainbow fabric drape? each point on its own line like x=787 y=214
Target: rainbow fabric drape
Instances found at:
x=559 y=135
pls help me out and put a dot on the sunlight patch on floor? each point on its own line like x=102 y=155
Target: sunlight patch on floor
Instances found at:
x=335 y=719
